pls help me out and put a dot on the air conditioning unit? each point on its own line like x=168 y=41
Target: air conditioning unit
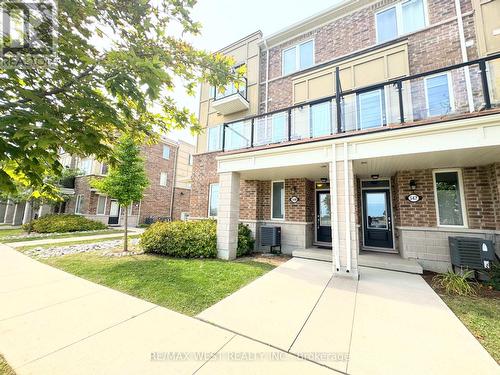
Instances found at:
x=270 y=236
x=184 y=216
x=471 y=252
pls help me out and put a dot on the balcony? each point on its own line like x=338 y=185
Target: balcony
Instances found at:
x=231 y=99
x=458 y=91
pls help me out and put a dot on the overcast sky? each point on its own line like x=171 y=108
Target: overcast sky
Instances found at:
x=226 y=21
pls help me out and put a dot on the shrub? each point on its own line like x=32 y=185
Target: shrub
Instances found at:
x=453 y=283
x=64 y=224
x=190 y=239
x=494 y=277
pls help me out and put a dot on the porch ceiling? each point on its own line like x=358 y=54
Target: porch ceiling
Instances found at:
x=309 y=171
x=387 y=166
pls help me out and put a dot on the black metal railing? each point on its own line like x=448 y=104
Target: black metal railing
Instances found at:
x=234 y=88
x=433 y=95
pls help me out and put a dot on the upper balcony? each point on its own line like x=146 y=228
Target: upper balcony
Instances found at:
x=453 y=92
x=231 y=99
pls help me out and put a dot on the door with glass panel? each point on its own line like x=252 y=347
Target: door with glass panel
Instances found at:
x=114 y=213
x=377 y=218
x=323 y=217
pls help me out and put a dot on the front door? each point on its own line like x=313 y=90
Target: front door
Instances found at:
x=377 y=219
x=114 y=213
x=323 y=217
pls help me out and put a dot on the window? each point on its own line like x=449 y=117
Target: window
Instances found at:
x=163 y=178
x=278 y=200
x=215 y=138
x=104 y=169
x=298 y=57
x=79 y=204
x=86 y=166
x=213 y=200
x=450 y=203
x=166 y=152
x=321 y=121
x=371 y=109
x=101 y=205
x=190 y=159
x=438 y=95
x=403 y=18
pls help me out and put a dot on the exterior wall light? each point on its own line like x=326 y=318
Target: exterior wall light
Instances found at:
x=413 y=185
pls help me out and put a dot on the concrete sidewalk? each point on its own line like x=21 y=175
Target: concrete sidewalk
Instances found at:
x=55 y=323
x=132 y=231
x=386 y=323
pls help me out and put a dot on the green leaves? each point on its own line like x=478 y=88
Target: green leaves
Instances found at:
x=115 y=62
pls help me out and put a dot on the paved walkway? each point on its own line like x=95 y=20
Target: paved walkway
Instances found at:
x=387 y=323
x=47 y=241
x=55 y=323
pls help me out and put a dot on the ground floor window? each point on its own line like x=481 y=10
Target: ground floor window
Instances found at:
x=449 y=198
x=101 y=205
x=79 y=204
x=213 y=200
x=278 y=200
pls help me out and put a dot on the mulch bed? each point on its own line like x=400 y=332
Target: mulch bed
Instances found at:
x=482 y=291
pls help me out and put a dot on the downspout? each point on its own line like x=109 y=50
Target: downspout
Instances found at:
x=334 y=205
x=346 y=209
x=267 y=76
x=463 y=49
x=174 y=182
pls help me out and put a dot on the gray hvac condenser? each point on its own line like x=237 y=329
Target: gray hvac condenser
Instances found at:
x=270 y=236
x=470 y=252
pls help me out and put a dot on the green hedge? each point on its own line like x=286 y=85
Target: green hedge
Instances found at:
x=190 y=239
x=64 y=224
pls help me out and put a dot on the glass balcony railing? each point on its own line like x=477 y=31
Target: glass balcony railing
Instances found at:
x=432 y=96
x=231 y=89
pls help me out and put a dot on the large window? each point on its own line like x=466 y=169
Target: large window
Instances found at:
x=278 y=200
x=101 y=205
x=166 y=152
x=321 y=120
x=79 y=204
x=215 y=138
x=213 y=200
x=86 y=166
x=371 y=109
x=298 y=57
x=438 y=95
x=402 y=18
x=450 y=203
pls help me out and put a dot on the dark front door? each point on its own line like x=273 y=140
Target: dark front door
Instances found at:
x=377 y=218
x=114 y=213
x=323 y=217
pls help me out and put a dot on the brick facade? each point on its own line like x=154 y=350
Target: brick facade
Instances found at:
x=181 y=202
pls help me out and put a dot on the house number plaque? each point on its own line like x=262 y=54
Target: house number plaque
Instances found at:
x=414 y=198
x=294 y=199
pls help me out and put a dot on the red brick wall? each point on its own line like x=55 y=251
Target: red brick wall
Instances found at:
x=248 y=199
x=181 y=202
x=204 y=174
x=480 y=195
x=431 y=48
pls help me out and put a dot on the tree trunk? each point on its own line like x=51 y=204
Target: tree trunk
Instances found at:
x=125 y=235
x=32 y=208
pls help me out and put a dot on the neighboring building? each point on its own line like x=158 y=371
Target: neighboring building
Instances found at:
x=373 y=126
x=168 y=166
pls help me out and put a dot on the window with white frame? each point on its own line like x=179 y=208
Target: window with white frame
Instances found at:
x=101 y=205
x=86 y=166
x=402 y=18
x=213 y=200
x=215 y=138
x=79 y=204
x=298 y=57
x=163 y=178
x=438 y=94
x=104 y=169
x=278 y=200
x=166 y=152
x=450 y=203
x=371 y=109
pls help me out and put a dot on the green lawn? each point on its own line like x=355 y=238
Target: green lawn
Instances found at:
x=185 y=285
x=15 y=232
x=5 y=369
x=481 y=315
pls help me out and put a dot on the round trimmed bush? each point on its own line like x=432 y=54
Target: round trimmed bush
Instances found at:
x=64 y=224
x=190 y=239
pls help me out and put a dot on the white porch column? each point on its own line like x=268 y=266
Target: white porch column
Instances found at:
x=9 y=212
x=228 y=213
x=3 y=209
x=17 y=218
x=27 y=212
x=345 y=244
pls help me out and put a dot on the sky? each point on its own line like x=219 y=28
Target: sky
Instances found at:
x=226 y=21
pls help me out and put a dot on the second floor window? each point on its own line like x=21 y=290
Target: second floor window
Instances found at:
x=215 y=138
x=166 y=152
x=298 y=57
x=86 y=166
x=402 y=18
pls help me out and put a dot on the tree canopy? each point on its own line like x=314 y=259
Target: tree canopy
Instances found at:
x=114 y=73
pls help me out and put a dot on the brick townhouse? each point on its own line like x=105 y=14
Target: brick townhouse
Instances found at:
x=168 y=165
x=368 y=133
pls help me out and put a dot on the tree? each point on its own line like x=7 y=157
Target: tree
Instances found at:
x=126 y=180
x=117 y=60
